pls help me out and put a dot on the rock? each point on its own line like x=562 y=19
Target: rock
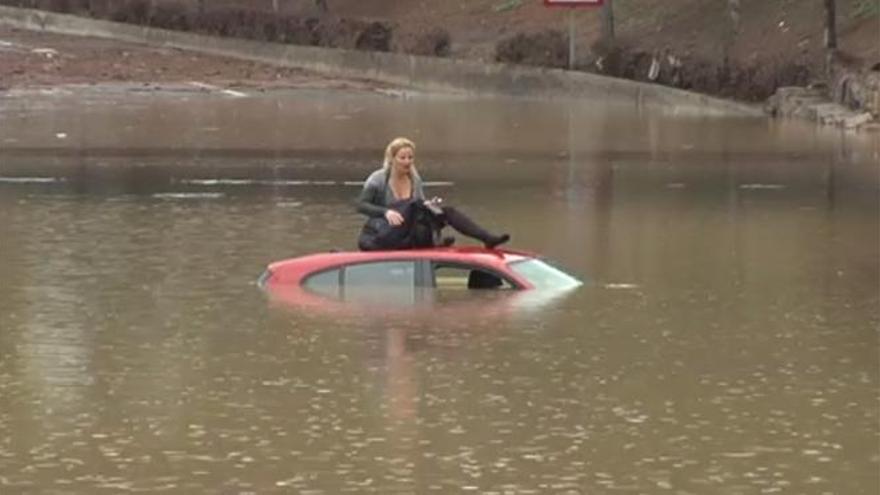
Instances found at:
x=786 y=92
x=856 y=121
x=795 y=102
x=813 y=104
x=828 y=113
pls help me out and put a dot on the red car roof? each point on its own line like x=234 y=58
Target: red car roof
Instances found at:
x=294 y=269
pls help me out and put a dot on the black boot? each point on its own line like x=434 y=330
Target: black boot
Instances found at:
x=460 y=222
x=496 y=240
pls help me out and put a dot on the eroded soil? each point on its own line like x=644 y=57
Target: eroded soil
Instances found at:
x=31 y=59
x=690 y=44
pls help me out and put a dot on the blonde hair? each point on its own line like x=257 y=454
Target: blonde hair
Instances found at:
x=393 y=147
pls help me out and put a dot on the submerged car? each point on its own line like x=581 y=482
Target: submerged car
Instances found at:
x=400 y=276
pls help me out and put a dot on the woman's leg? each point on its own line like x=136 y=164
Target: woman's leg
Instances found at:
x=460 y=222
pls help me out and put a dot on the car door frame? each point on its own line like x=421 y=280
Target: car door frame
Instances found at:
x=429 y=280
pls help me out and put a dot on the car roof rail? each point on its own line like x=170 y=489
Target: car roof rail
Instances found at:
x=519 y=252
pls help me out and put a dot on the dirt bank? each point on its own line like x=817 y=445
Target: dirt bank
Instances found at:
x=692 y=44
x=31 y=59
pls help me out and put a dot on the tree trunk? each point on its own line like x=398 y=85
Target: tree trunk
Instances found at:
x=733 y=12
x=608 y=22
x=830 y=36
x=831 y=24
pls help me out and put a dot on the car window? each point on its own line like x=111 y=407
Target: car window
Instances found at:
x=391 y=281
x=324 y=283
x=542 y=275
x=461 y=277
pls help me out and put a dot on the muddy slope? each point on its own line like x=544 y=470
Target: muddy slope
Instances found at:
x=696 y=45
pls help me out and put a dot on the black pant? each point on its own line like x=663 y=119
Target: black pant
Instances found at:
x=463 y=224
x=420 y=228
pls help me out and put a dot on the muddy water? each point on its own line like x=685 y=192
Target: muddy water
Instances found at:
x=726 y=340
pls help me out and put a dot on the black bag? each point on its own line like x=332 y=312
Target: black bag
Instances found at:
x=421 y=228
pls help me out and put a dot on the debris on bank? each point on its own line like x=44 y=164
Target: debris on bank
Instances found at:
x=852 y=103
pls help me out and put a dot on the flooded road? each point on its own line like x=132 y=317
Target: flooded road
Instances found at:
x=726 y=340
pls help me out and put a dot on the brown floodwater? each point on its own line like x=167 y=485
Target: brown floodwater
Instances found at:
x=725 y=341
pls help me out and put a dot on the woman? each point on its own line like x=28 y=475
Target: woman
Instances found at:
x=400 y=215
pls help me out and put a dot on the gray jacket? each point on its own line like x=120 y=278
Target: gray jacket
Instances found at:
x=377 y=196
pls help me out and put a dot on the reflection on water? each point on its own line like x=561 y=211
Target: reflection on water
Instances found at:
x=727 y=342
x=380 y=303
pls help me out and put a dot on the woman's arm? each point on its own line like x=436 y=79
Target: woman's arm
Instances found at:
x=371 y=201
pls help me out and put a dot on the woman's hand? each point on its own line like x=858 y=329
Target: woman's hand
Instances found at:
x=394 y=217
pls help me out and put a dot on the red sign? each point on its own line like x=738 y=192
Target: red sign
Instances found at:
x=573 y=3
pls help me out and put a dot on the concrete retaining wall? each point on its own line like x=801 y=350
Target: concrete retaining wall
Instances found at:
x=426 y=73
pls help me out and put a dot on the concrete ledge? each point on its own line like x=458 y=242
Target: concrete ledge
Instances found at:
x=857 y=89
x=815 y=105
x=426 y=73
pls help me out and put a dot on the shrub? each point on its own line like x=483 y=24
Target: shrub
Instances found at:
x=547 y=48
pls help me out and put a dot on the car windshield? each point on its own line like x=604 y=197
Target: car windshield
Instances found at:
x=542 y=275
